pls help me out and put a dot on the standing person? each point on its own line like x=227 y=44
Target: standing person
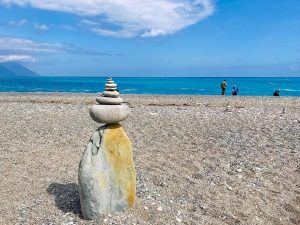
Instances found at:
x=235 y=90
x=223 y=87
x=276 y=93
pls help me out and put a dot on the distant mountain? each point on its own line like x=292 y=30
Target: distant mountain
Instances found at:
x=5 y=72
x=13 y=69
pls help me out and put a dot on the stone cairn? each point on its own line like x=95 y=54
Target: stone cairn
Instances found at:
x=228 y=108
x=106 y=175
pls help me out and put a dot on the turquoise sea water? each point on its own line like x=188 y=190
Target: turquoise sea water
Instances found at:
x=263 y=86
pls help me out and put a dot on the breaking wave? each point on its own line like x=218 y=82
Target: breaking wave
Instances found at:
x=290 y=90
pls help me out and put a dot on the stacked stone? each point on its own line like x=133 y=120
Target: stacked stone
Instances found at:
x=106 y=176
x=228 y=108
x=111 y=90
x=110 y=108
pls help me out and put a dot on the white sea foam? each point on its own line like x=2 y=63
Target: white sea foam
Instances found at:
x=193 y=89
x=129 y=89
x=290 y=89
x=37 y=89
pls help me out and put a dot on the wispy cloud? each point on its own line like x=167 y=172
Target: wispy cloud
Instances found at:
x=147 y=18
x=41 y=27
x=25 y=45
x=10 y=45
x=18 y=23
x=17 y=58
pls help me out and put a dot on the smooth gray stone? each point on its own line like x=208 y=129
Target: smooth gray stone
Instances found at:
x=110 y=89
x=112 y=85
x=102 y=188
x=109 y=113
x=109 y=101
x=111 y=94
x=93 y=199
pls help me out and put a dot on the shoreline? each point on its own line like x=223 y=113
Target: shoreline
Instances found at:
x=259 y=86
x=165 y=95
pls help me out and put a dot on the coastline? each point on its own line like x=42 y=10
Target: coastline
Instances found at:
x=196 y=160
x=255 y=86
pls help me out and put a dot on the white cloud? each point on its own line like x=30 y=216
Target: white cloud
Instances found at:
x=17 y=58
x=154 y=32
x=41 y=27
x=18 y=23
x=25 y=45
x=11 y=46
x=146 y=18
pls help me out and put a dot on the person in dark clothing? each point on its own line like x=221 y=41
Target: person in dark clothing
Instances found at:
x=276 y=93
x=223 y=87
x=235 y=90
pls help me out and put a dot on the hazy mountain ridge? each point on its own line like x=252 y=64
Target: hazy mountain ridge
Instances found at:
x=13 y=69
x=5 y=72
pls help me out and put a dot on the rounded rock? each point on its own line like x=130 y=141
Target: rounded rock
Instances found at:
x=109 y=113
x=111 y=85
x=110 y=89
x=106 y=175
x=109 y=101
x=111 y=94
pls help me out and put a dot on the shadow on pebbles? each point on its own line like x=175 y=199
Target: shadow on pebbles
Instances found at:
x=66 y=197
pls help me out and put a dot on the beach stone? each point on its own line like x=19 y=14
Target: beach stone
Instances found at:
x=110 y=85
x=111 y=94
x=228 y=108
x=109 y=80
x=107 y=179
x=159 y=208
x=110 y=89
x=109 y=101
x=109 y=113
x=178 y=219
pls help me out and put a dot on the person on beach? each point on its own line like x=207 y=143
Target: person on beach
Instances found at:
x=276 y=93
x=223 y=87
x=235 y=90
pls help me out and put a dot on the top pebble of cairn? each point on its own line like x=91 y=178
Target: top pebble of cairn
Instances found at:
x=110 y=108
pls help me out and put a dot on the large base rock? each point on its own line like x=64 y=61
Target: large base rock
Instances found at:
x=107 y=178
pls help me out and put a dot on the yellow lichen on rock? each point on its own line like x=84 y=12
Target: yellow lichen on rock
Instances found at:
x=120 y=157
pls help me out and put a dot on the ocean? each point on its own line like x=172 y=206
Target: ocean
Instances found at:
x=248 y=86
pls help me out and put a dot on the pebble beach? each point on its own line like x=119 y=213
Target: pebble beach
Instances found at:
x=199 y=159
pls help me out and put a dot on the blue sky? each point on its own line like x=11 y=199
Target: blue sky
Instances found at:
x=152 y=37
